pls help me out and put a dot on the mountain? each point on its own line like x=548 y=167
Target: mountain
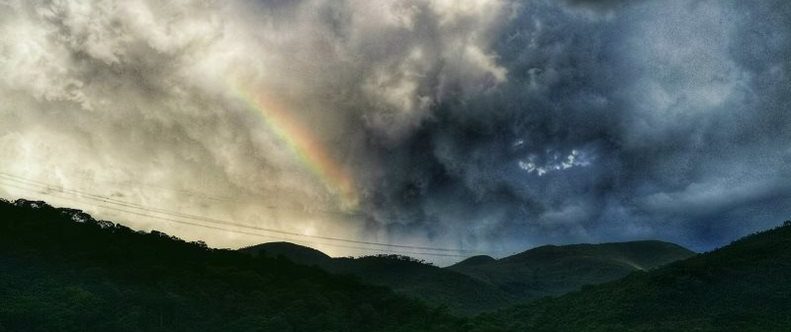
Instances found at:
x=473 y=261
x=461 y=294
x=741 y=287
x=62 y=270
x=293 y=252
x=555 y=270
x=482 y=283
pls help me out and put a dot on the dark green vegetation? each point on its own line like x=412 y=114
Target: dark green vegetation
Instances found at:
x=745 y=286
x=293 y=252
x=556 y=270
x=482 y=283
x=458 y=292
x=61 y=270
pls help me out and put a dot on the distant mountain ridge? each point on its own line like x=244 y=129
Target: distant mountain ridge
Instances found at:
x=462 y=294
x=740 y=287
x=475 y=261
x=554 y=270
x=296 y=253
x=477 y=284
x=482 y=283
x=62 y=270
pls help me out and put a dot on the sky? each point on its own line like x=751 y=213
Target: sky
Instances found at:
x=438 y=129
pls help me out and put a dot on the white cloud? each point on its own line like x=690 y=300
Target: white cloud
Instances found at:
x=554 y=162
x=140 y=93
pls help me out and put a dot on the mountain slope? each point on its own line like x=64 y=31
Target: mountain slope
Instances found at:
x=741 y=287
x=556 y=270
x=474 y=261
x=61 y=270
x=293 y=252
x=461 y=294
x=481 y=283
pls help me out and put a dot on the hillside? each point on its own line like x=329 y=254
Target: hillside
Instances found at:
x=293 y=252
x=474 y=261
x=61 y=270
x=461 y=294
x=555 y=270
x=482 y=283
x=741 y=287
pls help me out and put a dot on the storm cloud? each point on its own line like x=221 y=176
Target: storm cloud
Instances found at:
x=490 y=126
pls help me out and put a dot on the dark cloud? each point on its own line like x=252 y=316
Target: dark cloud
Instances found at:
x=661 y=122
x=601 y=4
x=492 y=126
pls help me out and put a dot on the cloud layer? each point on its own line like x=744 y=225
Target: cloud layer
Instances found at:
x=486 y=125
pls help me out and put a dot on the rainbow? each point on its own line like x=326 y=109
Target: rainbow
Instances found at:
x=300 y=140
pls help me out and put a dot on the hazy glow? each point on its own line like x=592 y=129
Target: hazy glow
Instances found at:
x=302 y=142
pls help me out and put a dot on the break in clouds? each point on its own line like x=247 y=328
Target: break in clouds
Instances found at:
x=492 y=126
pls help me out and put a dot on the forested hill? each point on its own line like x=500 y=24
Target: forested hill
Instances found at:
x=482 y=283
x=461 y=294
x=745 y=286
x=555 y=270
x=61 y=270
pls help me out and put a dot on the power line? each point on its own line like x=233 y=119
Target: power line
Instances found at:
x=160 y=187
x=314 y=243
x=107 y=200
x=197 y=194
